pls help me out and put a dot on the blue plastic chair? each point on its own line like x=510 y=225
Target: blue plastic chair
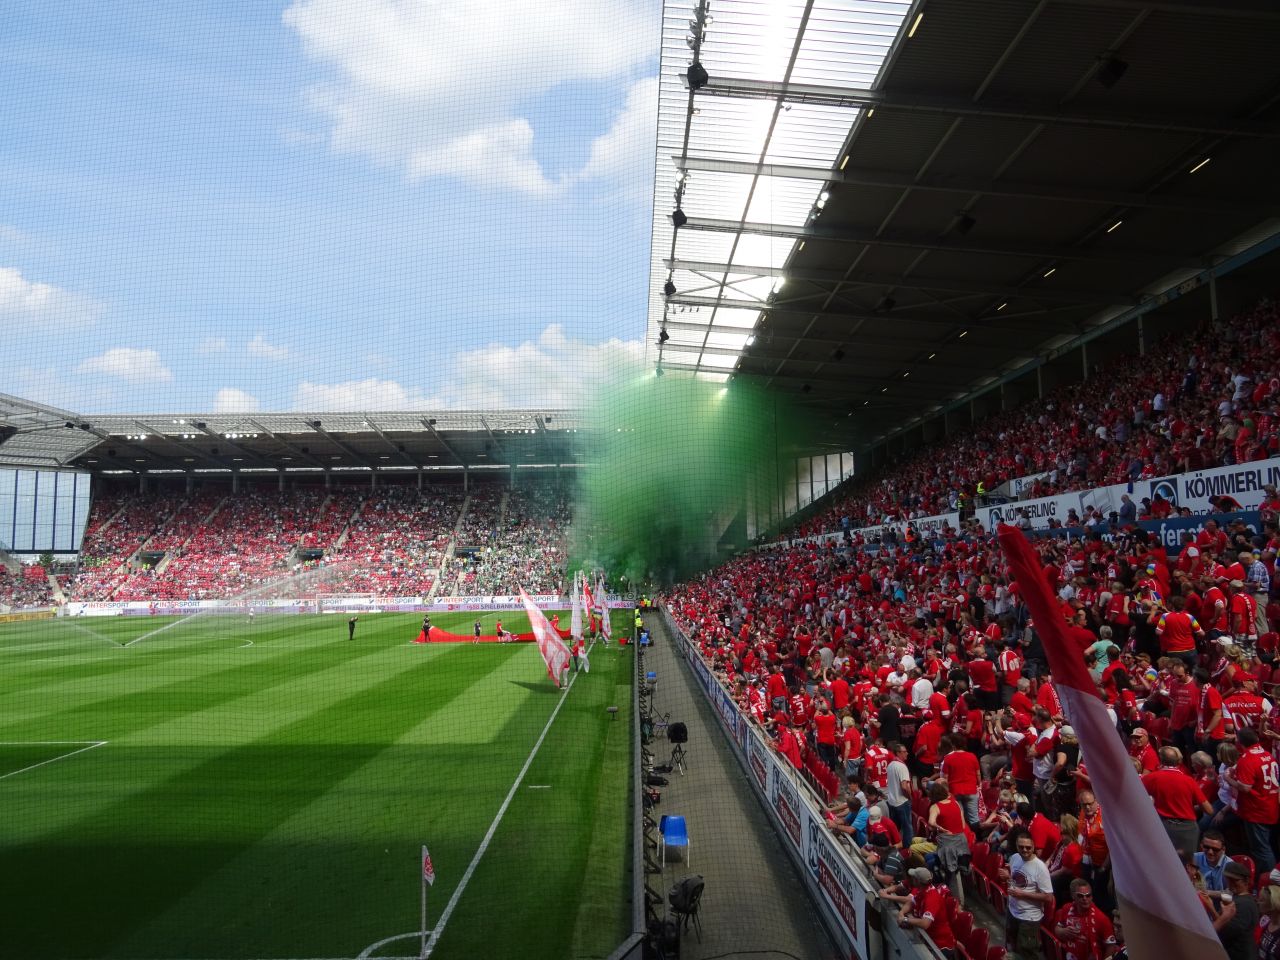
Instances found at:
x=674 y=833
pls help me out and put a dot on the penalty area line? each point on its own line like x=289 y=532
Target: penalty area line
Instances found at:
x=493 y=827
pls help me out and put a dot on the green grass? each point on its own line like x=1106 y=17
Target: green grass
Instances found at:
x=269 y=800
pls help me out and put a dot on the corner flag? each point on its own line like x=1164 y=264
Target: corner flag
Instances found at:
x=428 y=869
x=554 y=653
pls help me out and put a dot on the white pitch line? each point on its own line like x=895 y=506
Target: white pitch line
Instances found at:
x=367 y=952
x=493 y=827
x=157 y=630
x=247 y=643
x=64 y=756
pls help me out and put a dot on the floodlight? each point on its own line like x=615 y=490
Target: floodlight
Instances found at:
x=1111 y=70
x=696 y=77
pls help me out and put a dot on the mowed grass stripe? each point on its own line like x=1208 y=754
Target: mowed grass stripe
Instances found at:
x=170 y=836
x=342 y=872
x=118 y=701
x=539 y=854
x=167 y=738
x=194 y=641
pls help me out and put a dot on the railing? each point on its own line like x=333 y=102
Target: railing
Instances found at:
x=839 y=884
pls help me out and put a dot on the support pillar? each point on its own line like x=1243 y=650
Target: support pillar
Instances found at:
x=142 y=481
x=420 y=479
x=328 y=478
x=281 y=484
x=1084 y=361
x=1142 y=336
x=1040 y=382
x=373 y=479
x=235 y=481
x=191 y=483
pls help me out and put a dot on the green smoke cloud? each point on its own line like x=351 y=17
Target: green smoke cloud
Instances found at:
x=683 y=472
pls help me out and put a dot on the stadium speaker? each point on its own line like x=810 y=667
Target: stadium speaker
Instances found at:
x=696 y=77
x=965 y=223
x=201 y=425
x=663 y=336
x=678 y=219
x=7 y=432
x=658 y=371
x=1111 y=70
x=668 y=289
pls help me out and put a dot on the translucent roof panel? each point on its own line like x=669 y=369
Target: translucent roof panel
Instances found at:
x=771 y=43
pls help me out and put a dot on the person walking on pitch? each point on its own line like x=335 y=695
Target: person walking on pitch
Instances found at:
x=351 y=628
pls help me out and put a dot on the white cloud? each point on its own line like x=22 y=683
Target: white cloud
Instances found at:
x=555 y=370
x=28 y=301
x=496 y=156
x=128 y=364
x=233 y=400
x=625 y=151
x=212 y=345
x=370 y=394
x=432 y=89
x=259 y=347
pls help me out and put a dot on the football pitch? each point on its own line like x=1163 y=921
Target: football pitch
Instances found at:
x=217 y=789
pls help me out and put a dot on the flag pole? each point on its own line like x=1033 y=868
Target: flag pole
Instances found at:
x=422 y=879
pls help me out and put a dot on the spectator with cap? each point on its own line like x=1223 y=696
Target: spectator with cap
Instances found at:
x=1238 y=914
x=923 y=906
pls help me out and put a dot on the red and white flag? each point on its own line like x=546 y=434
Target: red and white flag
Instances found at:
x=1162 y=916
x=554 y=653
x=428 y=868
x=606 y=628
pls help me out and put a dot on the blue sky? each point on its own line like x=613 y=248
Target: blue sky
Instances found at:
x=323 y=204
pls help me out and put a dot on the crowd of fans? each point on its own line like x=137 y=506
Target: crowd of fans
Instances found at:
x=396 y=543
x=1196 y=401
x=906 y=683
x=390 y=541
x=527 y=548
x=25 y=588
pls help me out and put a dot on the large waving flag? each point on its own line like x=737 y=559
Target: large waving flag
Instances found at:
x=590 y=603
x=1163 y=918
x=554 y=653
x=606 y=628
x=575 y=618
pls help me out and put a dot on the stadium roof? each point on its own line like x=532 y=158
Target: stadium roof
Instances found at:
x=890 y=205
x=388 y=442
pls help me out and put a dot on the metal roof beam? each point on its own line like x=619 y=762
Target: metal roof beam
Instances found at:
x=498 y=444
x=318 y=427
x=872 y=239
x=204 y=428
x=395 y=448
x=296 y=451
x=743 y=88
x=431 y=425
x=905 y=282
x=1246 y=9
x=186 y=451
x=1261 y=207
x=1047 y=317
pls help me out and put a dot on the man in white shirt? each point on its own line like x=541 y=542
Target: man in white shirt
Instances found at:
x=897 y=792
x=921 y=690
x=1030 y=893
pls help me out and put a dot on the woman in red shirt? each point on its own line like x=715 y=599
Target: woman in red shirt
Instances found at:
x=946 y=817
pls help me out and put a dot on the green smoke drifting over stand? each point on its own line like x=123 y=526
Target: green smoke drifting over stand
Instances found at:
x=685 y=472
